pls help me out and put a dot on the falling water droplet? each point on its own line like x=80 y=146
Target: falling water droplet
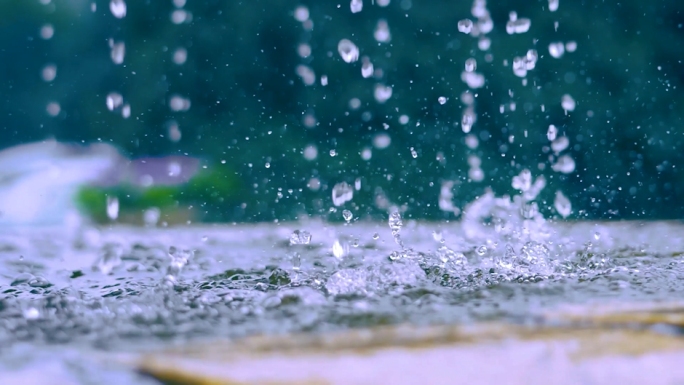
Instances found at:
x=356 y=6
x=465 y=26
x=110 y=258
x=565 y=164
x=551 y=133
x=556 y=49
x=118 y=51
x=395 y=223
x=342 y=193
x=114 y=101
x=562 y=204
x=568 y=103
x=382 y=93
x=366 y=67
x=301 y=13
x=49 y=72
x=299 y=237
x=31 y=314
x=442 y=100
x=560 y=144
x=296 y=261
x=518 y=26
x=118 y=8
x=112 y=207
x=382 y=32
x=338 y=250
x=470 y=65
x=179 y=258
x=553 y=5
x=348 y=51
x=522 y=181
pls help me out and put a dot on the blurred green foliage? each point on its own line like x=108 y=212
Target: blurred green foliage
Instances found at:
x=248 y=104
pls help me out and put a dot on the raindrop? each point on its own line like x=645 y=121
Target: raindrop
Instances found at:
x=552 y=132
x=366 y=67
x=382 y=3
x=465 y=26
x=348 y=51
x=179 y=258
x=338 y=250
x=31 y=314
x=53 y=108
x=366 y=153
x=470 y=65
x=522 y=181
x=174 y=132
x=180 y=16
x=342 y=193
x=395 y=223
x=382 y=93
x=568 y=103
x=484 y=43
x=296 y=261
x=310 y=152
x=307 y=74
x=118 y=51
x=347 y=215
x=304 y=50
x=476 y=174
x=565 y=164
x=376 y=236
x=382 y=32
x=126 y=111
x=468 y=119
x=356 y=6
x=174 y=169
x=442 y=100
x=300 y=237
x=482 y=250
x=180 y=55
x=301 y=13
x=556 y=49
x=562 y=204
x=49 y=72
x=47 y=31
x=560 y=144
x=114 y=101
x=473 y=79
x=118 y=8
x=571 y=46
x=39 y=282
x=381 y=141
x=151 y=216
x=518 y=26
x=179 y=103
x=553 y=5
x=112 y=208
x=109 y=259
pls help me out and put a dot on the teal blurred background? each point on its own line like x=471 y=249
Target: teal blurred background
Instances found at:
x=244 y=111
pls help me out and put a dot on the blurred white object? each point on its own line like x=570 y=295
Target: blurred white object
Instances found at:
x=39 y=181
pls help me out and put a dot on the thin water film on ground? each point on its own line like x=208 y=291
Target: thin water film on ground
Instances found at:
x=67 y=292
